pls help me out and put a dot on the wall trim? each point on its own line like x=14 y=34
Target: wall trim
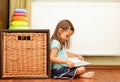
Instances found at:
x=103 y=67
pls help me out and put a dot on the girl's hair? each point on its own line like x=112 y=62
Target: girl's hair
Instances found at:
x=64 y=25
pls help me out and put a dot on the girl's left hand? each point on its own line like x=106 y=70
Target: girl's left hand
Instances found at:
x=80 y=57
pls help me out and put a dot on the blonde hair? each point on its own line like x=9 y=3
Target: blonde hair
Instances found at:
x=65 y=25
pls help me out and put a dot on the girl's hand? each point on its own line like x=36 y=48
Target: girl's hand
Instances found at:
x=70 y=63
x=80 y=57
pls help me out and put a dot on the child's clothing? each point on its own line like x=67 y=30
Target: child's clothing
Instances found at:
x=61 y=53
x=64 y=72
x=61 y=70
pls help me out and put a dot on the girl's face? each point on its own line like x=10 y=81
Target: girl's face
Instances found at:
x=65 y=35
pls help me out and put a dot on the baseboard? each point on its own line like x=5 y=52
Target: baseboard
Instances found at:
x=104 y=67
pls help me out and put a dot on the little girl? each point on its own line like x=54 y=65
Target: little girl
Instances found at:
x=61 y=66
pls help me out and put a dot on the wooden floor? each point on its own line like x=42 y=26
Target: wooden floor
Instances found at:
x=100 y=76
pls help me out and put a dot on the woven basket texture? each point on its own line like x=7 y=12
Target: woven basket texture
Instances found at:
x=24 y=55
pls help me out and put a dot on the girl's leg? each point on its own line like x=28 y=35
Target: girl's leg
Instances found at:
x=82 y=72
x=88 y=75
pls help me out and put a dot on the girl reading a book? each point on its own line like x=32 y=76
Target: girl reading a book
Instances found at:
x=61 y=66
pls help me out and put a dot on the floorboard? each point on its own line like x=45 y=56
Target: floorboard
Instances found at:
x=100 y=76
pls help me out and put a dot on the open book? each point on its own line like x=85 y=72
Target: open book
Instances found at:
x=78 y=62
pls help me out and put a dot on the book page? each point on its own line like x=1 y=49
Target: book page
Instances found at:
x=78 y=62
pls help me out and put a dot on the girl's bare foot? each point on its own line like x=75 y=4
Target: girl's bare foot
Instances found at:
x=89 y=75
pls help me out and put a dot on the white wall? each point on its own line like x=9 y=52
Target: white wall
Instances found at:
x=97 y=28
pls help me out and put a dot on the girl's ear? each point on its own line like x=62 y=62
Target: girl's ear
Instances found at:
x=60 y=30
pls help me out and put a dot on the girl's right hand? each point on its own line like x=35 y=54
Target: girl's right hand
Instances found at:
x=69 y=63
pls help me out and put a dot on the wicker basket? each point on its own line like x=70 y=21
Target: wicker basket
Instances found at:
x=25 y=54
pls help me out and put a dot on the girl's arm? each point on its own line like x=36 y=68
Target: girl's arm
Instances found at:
x=54 y=59
x=71 y=54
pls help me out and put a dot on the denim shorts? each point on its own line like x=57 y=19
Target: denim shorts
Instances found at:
x=64 y=72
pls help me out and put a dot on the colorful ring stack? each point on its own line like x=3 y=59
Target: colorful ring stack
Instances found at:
x=19 y=20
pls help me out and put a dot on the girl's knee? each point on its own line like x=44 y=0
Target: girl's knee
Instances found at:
x=80 y=70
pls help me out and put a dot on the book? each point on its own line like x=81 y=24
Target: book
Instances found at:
x=78 y=62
